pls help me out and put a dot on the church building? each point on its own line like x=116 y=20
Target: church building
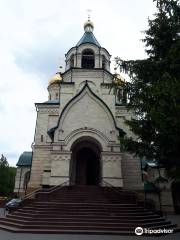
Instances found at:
x=78 y=129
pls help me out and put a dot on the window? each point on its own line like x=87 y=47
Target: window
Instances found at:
x=56 y=95
x=26 y=179
x=121 y=97
x=87 y=60
x=103 y=62
x=72 y=60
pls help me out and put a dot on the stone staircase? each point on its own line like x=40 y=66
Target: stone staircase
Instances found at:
x=83 y=209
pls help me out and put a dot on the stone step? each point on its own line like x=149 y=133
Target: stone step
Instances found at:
x=88 y=226
x=96 y=222
x=72 y=208
x=59 y=210
x=89 y=219
x=82 y=209
x=85 y=212
x=87 y=204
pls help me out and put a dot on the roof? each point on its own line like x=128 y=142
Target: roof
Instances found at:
x=88 y=37
x=150 y=163
x=55 y=101
x=25 y=159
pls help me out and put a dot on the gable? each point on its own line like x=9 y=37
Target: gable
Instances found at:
x=85 y=110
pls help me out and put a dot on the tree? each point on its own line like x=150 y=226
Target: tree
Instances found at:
x=154 y=90
x=3 y=161
x=7 y=177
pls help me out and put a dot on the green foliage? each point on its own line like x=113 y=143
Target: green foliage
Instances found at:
x=154 y=90
x=7 y=177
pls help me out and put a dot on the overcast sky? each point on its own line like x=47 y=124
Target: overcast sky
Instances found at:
x=35 y=35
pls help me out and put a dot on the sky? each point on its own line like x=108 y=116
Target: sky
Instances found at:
x=36 y=34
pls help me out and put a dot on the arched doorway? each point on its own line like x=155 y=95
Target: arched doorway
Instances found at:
x=85 y=166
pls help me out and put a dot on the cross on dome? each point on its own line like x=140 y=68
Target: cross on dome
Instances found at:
x=88 y=25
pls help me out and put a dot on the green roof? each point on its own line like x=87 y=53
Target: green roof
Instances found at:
x=150 y=163
x=143 y=163
x=25 y=159
x=88 y=37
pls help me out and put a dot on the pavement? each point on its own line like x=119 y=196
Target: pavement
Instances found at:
x=4 y=235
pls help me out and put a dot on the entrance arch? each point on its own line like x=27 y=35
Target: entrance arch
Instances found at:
x=85 y=167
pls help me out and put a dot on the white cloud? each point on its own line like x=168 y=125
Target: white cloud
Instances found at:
x=35 y=35
x=17 y=116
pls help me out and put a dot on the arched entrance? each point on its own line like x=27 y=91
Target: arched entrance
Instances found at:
x=85 y=166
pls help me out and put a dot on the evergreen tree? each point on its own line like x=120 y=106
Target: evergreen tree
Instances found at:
x=154 y=90
x=7 y=177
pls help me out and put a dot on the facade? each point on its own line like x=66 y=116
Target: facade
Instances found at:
x=78 y=129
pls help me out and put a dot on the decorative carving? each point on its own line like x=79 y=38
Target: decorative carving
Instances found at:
x=49 y=110
x=61 y=158
x=111 y=158
x=121 y=111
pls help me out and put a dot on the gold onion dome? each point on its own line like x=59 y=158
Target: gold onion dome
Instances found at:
x=55 y=79
x=118 y=78
x=88 y=26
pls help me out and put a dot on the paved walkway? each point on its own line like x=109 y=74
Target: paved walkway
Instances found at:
x=4 y=235
x=25 y=236
x=174 y=219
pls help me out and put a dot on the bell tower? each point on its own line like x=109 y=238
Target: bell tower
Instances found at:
x=88 y=53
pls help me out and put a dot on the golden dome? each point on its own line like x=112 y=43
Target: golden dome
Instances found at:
x=118 y=78
x=88 y=26
x=55 y=79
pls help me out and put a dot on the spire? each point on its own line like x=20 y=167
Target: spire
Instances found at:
x=88 y=36
x=88 y=25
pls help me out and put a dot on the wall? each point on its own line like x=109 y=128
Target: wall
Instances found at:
x=131 y=171
x=19 y=179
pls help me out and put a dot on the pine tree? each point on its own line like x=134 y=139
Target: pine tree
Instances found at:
x=154 y=90
x=7 y=177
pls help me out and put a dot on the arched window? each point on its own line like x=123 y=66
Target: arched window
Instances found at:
x=87 y=60
x=103 y=62
x=72 y=60
x=26 y=179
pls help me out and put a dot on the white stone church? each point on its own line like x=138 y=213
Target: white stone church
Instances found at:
x=78 y=129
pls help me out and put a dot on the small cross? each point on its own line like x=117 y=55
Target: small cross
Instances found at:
x=89 y=13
